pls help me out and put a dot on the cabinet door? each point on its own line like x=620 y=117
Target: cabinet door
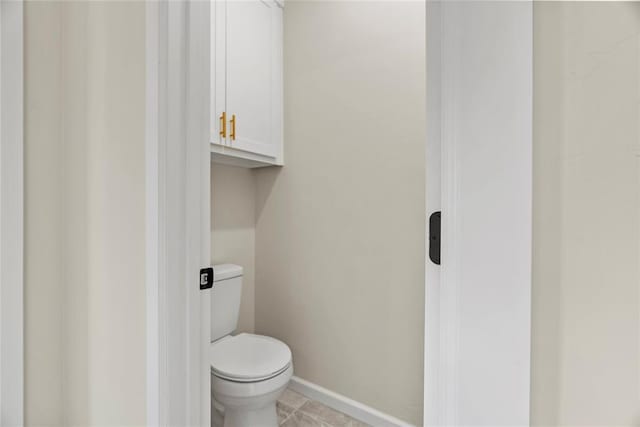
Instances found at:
x=251 y=80
x=218 y=71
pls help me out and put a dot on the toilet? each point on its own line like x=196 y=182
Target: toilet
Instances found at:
x=248 y=372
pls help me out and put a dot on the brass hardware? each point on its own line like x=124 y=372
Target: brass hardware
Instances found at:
x=223 y=124
x=233 y=127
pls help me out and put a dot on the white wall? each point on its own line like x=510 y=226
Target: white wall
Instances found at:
x=586 y=292
x=233 y=230
x=340 y=246
x=85 y=214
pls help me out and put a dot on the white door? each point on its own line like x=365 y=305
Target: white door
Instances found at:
x=251 y=27
x=478 y=300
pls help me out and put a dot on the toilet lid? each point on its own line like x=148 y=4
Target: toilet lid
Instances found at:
x=248 y=357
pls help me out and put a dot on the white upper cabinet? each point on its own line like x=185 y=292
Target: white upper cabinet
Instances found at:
x=246 y=82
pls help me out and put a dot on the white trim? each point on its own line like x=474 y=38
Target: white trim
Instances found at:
x=198 y=197
x=154 y=215
x=345 y=405
x=458 y=34
x=431 y=414
x=177 y=232
x=11 y=214
x=442 y=291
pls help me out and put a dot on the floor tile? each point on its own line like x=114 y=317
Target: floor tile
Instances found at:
x=302 y=419
x=326 y=414
x=292 y=399
x=356 y=423
x=283 y=410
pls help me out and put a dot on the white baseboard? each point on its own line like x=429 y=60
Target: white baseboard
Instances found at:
x=354 y=409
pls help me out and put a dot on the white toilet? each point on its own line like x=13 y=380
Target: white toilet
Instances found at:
x=248 y=372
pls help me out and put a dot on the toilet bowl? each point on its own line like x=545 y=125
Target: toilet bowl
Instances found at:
x=248 y=372
x=253 y=406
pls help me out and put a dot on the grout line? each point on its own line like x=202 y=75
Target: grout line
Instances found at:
x=293 y=412
x=306 y=400
x=295 y=409
x=315 y=417
x=287 y=417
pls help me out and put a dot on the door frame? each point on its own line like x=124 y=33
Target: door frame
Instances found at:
x=434 y=390
x=11 y=215
x=444 y=364
x=177 y=212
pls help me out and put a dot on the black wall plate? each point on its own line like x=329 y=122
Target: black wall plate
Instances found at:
x=206 y=278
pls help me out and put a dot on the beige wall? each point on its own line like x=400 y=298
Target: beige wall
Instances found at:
x=340 y=243
x=586 y=289
x=85 y=316
x=44 y=215
x=233 y=230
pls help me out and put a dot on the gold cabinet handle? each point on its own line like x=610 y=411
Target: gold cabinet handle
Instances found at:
x=223 y=124
x=233 y=127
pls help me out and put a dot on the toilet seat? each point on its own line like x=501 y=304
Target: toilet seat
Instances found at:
x=248 y=358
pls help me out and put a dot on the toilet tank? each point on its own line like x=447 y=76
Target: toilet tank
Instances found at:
x=225 y=299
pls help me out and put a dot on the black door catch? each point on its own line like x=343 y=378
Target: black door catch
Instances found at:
x=434 y=237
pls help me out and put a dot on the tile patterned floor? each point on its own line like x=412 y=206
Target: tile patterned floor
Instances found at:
x=295 y=410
